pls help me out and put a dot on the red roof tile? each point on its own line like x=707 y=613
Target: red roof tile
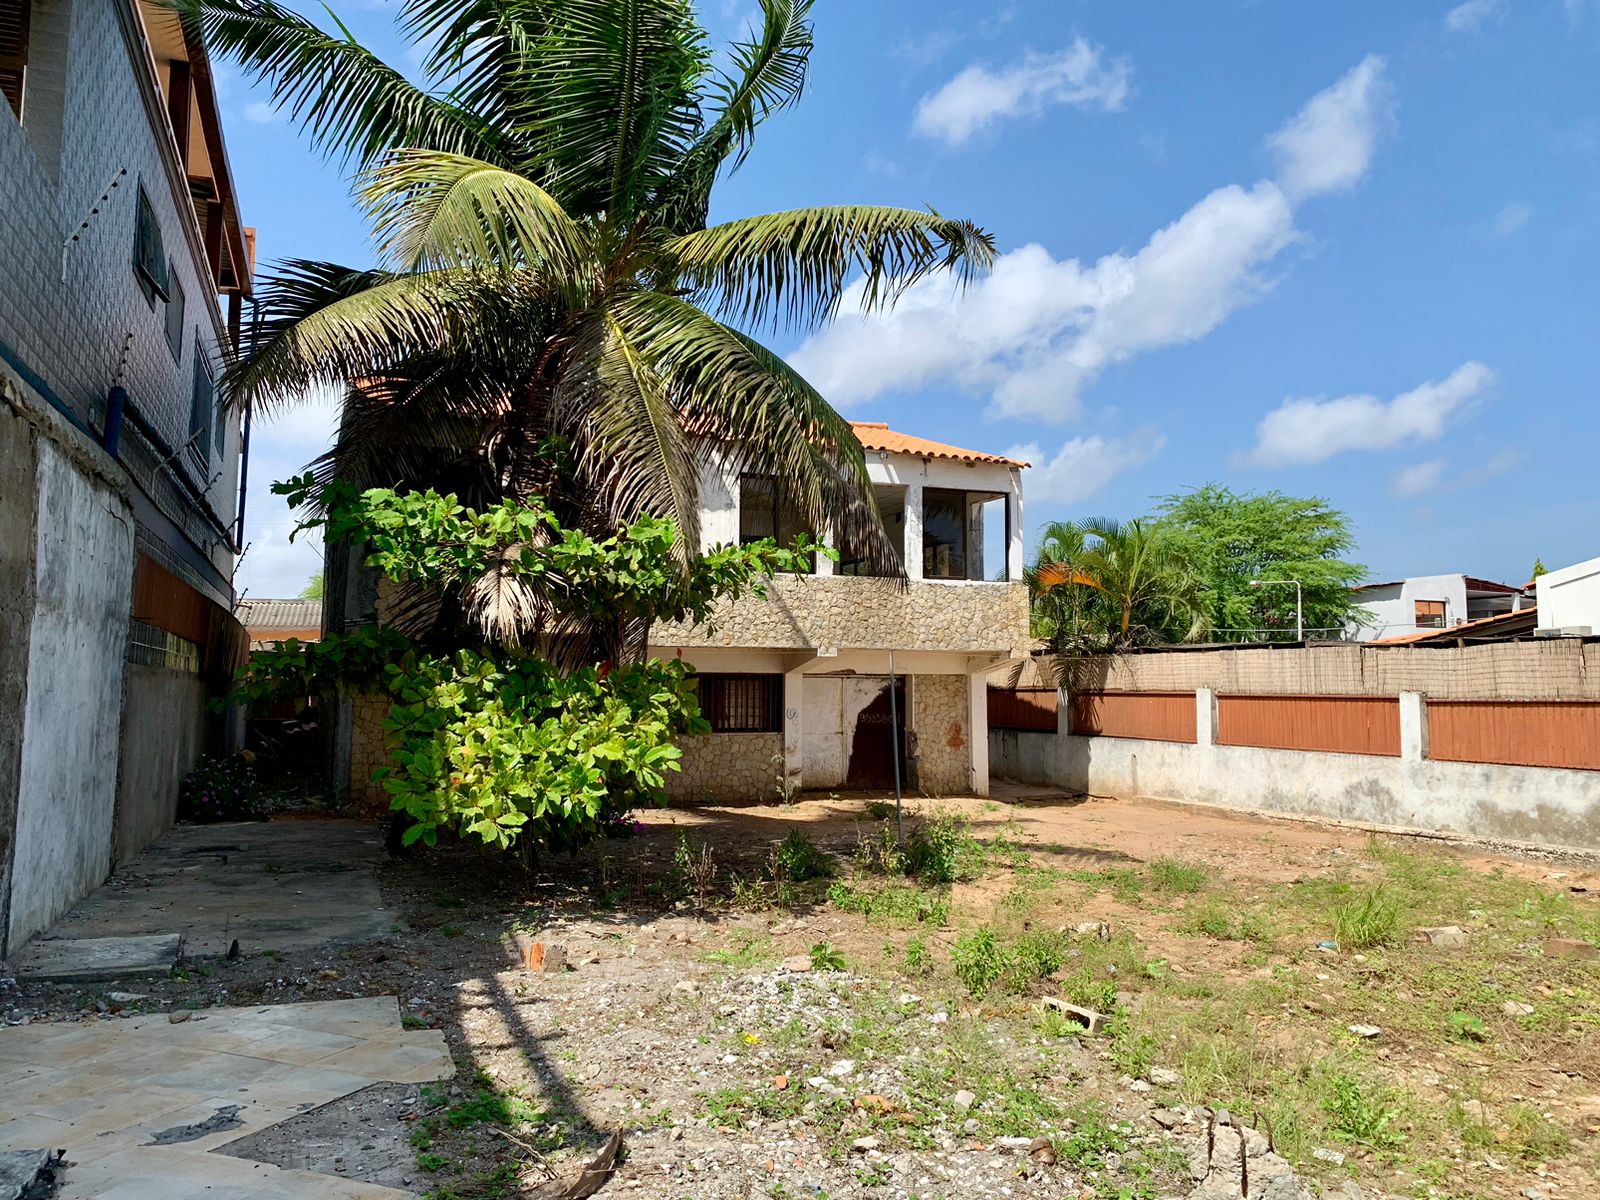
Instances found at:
x=876 y=435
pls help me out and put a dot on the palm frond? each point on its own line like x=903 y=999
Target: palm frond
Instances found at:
x=350 y=103
x=323 y=325
x=795 y=265
x=759 y=412
x=431 y=210
x=632 y=450
x=771 y=74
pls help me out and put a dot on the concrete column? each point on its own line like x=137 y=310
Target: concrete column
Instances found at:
x=978 y=728
x=1015 y=561
x=1205 y=716
x=1063 y=712
x=914 y=527
x=794 y=730
x=1413 y=727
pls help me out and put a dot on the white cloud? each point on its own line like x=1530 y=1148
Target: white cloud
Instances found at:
x=1313 y=429
x=1329 y=145
x=1420 y=479
x=1035 y=331
x=1083 y=465
x=1432 y=477
x=979 y=98
x=280 y=447
x=1511 y=218
x=262 y=113
x=1474 y=15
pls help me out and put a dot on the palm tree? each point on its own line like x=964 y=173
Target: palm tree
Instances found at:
x=1125 y=583
x=552 y=313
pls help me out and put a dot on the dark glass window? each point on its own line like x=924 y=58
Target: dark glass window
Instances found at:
x=766 y=512
x=944 y=534
x=1430 y=614
x=149 y=255
x=742 y=703
x=202 y=405
x=174 y=315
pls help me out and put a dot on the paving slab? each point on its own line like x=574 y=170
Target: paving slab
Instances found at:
x=80 y=960
x=288 y=884
x=148 y=1109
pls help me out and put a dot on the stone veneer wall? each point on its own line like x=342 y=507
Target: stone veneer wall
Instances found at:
x=367 y=754
x=942 y=723
x=816 y=611
x=727 y=766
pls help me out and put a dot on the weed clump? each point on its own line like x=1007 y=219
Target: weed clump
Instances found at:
x=1370 y=919
x=984 y=963
x=797 y=859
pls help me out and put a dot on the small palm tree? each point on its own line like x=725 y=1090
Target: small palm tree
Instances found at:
x=553 y=314
x=1125 y=583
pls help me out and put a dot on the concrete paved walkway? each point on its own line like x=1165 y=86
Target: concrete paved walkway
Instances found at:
x=279 y=885
x=129 y=1100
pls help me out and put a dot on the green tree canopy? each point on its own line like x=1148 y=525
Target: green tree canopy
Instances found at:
x=1106 y=585
x=1232 y=538
x=552 y=315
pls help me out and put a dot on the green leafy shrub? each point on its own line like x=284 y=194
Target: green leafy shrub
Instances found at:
x=1362 y=1111
x=983 y=962
x=825 y=956
x=220 y=789
x=903 y=904
x=942 y=850
x=918 y=958
x=797 y=858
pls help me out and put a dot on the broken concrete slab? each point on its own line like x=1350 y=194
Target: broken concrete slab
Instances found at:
x=86 y=959
x=28 y=1174
x=1092 y=1021
x=365 y=1135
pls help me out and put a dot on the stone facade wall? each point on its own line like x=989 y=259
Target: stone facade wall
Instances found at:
x=844 y=612
x=727 y=767
x=940 y=718
x=367 y=754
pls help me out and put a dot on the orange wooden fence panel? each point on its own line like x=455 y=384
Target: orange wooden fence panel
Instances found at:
x=1155 y=716
x=1332 y=724
x=1032 y=709
x=1524 y=733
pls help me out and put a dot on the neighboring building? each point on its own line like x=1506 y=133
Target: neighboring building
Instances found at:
x=270 y=623
x=797 y=686
x=119 y=468
x=1569 y=599
x=1425 y=603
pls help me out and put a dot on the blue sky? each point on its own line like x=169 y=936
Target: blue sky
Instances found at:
x=1345 y=250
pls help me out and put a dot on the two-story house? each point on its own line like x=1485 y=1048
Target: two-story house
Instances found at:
x=1424 y=603
x=123 y=273
x=831 y=677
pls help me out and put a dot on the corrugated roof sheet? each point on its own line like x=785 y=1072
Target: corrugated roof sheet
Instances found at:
x=876 y=435
x=263 y=616
x=1522 y=621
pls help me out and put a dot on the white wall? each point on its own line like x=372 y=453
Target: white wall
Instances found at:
x=1570 y=597
x=1393 y=609
x=67 y=788
x=1527 y=804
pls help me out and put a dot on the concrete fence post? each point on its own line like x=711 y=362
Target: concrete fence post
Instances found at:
x=1205 y=716
x=1063 y=712
x=1413 y=727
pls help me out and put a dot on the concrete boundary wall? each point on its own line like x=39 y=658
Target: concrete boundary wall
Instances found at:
x=1554 y=669
x=1549 y=806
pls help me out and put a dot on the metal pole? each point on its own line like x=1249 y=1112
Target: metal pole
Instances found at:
x=1299 y=613
x=894 y=752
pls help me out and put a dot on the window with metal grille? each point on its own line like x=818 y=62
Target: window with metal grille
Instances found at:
x=202 y=405
x=742 y=703
x=149 y=254
x=1430 y=614
x=15 y=18
x=175 y=316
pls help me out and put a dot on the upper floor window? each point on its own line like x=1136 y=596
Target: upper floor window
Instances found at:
x=16 y=19
x=174 y=315
x=767 y=511
x=891 y=501
x=149 y=254
x=202 y=406
x=965 y=535
x=1429 y=614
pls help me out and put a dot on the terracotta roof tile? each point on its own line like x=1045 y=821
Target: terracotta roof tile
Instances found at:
x=876 y=435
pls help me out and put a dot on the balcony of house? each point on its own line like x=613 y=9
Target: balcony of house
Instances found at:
x=956 y=535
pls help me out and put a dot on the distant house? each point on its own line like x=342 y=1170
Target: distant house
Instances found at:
x=270 y=623
x=1426 y=603
x=1569 y=599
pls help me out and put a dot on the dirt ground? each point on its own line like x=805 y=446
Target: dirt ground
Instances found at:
x=756 y=1034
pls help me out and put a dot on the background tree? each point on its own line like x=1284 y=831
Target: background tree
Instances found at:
x=1539 y=568
x=1108 y=585
x=1232 y=538
x=552 y=316
x=314 y=587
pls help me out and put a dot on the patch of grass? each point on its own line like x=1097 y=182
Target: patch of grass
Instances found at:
x=1370 y=918
x=797 y=859
x=1171 y=875
x=903 y=904
x=918 y=958
x=983 y=962
x=1126 y=884
x=1225 y=923
x=430 y=1162
x=879 y=810
x=749 y=949
x=489 y=1105
x=1362 y=1110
